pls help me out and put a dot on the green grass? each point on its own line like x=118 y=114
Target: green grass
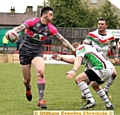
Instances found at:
x=61 y=94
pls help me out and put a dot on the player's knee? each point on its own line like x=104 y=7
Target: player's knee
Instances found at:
x=95 y=86
x=92 y=84
x=78 y=80
x=40 y=73
x=114 y=75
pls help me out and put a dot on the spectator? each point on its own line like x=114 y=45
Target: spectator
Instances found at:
x=48 y=42
x=18 y=43
x=65 y=51
x=5 y=43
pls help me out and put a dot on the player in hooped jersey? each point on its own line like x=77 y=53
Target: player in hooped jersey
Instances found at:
x=36 y=32
x=101 y=70
x=100 y=39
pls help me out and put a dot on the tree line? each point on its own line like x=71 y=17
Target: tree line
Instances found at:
x=76 y=13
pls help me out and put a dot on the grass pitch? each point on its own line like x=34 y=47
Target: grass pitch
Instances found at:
x=61 y=94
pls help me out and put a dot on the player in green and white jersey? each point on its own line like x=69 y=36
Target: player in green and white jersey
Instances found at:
x=101 y=70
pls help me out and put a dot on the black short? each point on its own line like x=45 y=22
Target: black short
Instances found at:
x=26 y=57
x=93 y=76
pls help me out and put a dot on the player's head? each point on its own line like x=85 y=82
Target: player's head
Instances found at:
x=102 y=25
x=47 y=13
x=75 y=44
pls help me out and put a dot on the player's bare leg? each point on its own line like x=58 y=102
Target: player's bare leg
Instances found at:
x=39 y=67
x=27 y=78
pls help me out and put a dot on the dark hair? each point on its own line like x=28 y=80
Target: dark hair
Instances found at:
x=75 y=44
x=103 y=19
x=46 y=9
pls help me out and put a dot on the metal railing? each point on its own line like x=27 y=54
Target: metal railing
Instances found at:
x=52 y=49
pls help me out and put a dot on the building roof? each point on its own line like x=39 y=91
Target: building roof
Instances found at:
x=13 y=19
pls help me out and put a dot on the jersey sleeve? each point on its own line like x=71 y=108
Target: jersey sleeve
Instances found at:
x=80 y=51
x=113 y=42
x=88 y=39
x=30 y=22
x=53 y=30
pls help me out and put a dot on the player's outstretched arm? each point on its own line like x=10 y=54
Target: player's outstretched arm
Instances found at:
x=65 y=42
x=72 y=72
x=63 y=58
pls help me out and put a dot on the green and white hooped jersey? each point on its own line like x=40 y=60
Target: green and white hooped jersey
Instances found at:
x=94 y=58
x=100 y=42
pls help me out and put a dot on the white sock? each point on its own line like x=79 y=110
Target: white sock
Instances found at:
x=108 y=84
x=86 y=91
x=82 y=94
x=104 y=97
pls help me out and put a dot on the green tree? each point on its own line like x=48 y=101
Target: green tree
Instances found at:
x=73 y=13
x=108 y=12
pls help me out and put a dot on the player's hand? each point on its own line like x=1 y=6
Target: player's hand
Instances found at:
x=70 y=74
x=56 y=57
x=74 y=52
x=116 y=60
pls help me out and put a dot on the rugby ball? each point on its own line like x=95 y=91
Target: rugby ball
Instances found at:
x=12 y=36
